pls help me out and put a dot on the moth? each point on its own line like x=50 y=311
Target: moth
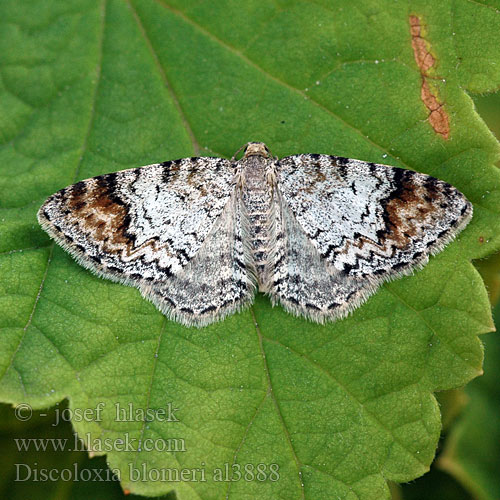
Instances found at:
x=199 y=236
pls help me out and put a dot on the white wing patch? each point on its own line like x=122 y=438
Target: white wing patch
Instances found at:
x=367 y=219
x=218 y=281
x=141 y=224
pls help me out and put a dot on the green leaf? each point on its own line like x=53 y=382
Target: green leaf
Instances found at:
x=93 y=87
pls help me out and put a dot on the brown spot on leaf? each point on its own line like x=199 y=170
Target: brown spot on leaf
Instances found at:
x=481 y=239
x=423 y=57
x=438 y=118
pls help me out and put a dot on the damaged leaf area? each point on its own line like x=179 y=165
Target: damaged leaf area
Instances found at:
x=328 y=411
x=438 y=117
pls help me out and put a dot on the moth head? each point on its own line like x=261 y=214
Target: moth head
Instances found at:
x=256 y=149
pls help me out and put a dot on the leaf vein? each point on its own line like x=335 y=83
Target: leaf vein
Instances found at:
x=347 y=391
x=298 y=463
x=77 y=169
x=166 y=81
x=276 y=79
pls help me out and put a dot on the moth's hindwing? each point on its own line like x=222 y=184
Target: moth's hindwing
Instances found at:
x=218 y=281
x=367 y=223
x=318 y=233
x=144 y=226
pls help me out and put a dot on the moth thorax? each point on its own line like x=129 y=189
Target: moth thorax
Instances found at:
x=256 y=149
